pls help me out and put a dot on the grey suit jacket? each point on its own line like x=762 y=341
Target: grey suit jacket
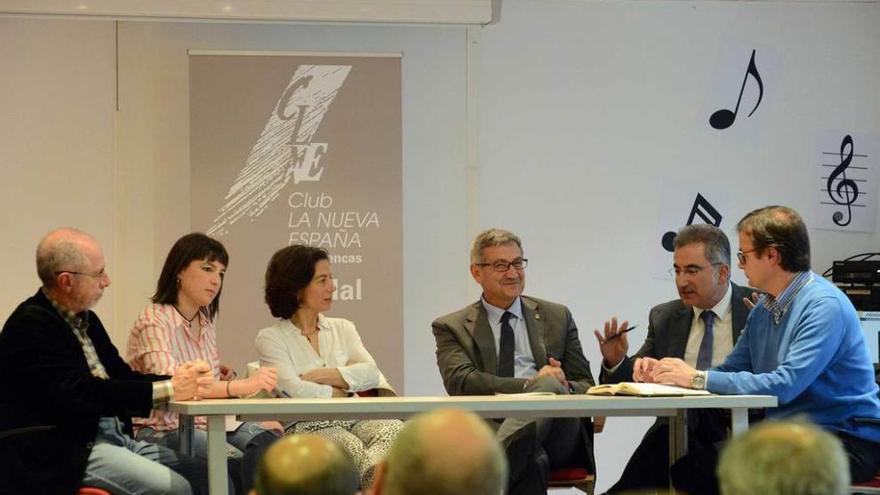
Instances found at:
x=668 y=327
x=467 y=357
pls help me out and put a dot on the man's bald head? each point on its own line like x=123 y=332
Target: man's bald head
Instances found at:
x=70 y=264
x=62 y=249
x=306 y=464
x=445 y=452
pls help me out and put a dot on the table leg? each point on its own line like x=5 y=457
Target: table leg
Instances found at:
x=185 y=432
x=217 y=476
x=739 y=421
x=677 y=440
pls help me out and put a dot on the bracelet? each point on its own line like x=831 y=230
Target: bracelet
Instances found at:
x=227 y=388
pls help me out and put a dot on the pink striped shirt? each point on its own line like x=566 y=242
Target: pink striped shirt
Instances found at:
x=160 y=341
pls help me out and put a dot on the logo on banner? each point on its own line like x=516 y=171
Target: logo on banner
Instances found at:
x=285 y=148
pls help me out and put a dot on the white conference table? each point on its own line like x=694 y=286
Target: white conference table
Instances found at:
x=487 y=406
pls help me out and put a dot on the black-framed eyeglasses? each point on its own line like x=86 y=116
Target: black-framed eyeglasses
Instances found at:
x=690 y=270
x=98 y=275
x=741 y=255
x=502 y=266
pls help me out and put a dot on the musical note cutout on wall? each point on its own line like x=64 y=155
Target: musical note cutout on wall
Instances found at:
x=724 y=118
x=846 y=191
x=702 y=208
x=846 y=184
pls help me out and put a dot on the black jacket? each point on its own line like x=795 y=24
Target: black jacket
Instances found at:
x=45 y=381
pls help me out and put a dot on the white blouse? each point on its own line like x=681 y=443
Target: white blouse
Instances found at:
x=284 y=347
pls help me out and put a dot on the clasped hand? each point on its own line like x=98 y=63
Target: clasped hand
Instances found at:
x=667 y=370
x=192 y=380
x=553 y=369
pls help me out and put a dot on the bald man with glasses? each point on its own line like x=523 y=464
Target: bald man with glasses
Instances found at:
x=510 y=343
x=70 y=396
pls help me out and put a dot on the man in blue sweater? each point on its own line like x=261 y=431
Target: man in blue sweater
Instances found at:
x=802 y=343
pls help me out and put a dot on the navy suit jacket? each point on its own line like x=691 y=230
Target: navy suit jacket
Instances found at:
x=669 y=325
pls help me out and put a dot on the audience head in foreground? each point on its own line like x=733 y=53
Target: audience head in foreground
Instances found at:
x=784 y=458
x=306 y=464
x=443 y=452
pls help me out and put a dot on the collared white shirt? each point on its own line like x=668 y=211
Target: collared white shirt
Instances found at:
x=284 y=347
x=722 y=331
x=523 y=360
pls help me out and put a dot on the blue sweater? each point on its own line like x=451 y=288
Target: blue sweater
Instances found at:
x=815 y=361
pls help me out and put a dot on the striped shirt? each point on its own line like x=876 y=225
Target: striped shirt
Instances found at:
x=160 y=341
x=80 y=326
x=162 y=390
x=778 y=306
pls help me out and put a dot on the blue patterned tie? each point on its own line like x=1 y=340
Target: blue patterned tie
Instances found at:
x=704 y=357
x=505 y=346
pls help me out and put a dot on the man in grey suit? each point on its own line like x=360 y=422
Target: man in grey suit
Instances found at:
x=510 y=343
x=700 y=327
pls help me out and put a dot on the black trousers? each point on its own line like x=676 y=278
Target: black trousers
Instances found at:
x=648 y=468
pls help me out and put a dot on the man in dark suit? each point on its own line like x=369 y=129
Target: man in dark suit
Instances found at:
x=509 y=343
x=700 y=327
x=65 y=389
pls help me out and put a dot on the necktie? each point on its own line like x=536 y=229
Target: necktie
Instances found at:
x=704 y=356
x=505 y=345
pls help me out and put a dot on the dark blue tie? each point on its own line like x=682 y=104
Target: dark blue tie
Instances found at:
x=704 y=357
x=505 y=346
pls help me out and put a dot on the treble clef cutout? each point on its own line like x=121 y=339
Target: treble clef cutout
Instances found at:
x=724 y=118
x=846 y=191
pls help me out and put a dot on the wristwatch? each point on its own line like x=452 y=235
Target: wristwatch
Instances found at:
x=698 y=382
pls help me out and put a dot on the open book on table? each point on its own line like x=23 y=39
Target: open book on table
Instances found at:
x=643 y=390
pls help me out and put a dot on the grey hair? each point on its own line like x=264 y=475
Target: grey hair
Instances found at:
x=60 y=250
x=784 y=458
x=489 y=238
x=714 y=240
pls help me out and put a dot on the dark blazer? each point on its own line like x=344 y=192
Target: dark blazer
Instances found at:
x=467 y=359
x=668 y=327
x=45 y=381
x=466 y=352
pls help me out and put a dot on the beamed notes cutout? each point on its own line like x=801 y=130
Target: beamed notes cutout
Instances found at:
x=724 y=118
x=702 y=208
x=846 y=191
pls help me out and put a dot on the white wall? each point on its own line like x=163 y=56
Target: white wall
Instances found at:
x=584 y=109
x=56 y=142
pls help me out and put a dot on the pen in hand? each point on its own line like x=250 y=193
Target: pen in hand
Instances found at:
x=618 y=334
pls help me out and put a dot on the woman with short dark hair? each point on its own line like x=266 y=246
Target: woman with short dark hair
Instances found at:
x=179 y=327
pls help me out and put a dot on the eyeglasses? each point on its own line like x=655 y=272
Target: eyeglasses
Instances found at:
x=98 y=275
x=502 y=266
x=741 y=255
x=690 y=270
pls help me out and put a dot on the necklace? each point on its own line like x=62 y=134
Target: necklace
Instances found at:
x=188 y=320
